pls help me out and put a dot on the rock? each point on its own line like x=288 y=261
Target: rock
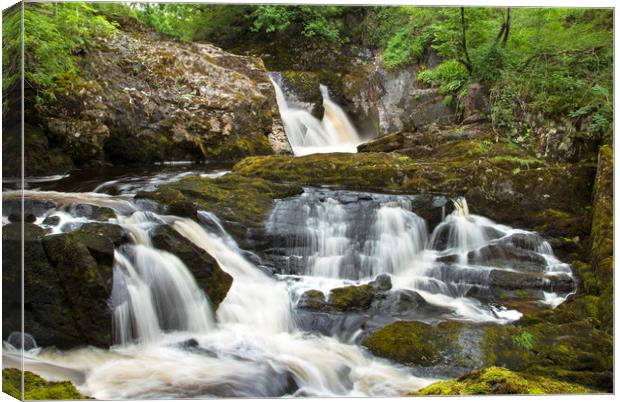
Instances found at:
x=499 y=181
x=416 y=343
x=499 y=381
x=36 y=387
x=346 y=298
x=349 y=298
x=11 y=207
x=204 y=268
x=516 y=281
x=312 y=300
x=476 y=105
x=570 y=351
x=507 y=256
x=81 y=265
x=190 y=101
x=304 y=86
x=387 y=143
x=51 y=220
x=241 y=203
x=406 y=304
x=93 y=212
x=67 y=282
x=42 y=157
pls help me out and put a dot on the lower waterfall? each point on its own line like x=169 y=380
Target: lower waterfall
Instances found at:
x=170 y=344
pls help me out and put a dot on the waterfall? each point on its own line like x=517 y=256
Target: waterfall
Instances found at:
x=153 y=290
x=169 y=343
x=308 y=135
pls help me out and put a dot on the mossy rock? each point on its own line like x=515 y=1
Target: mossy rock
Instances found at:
x=496 y=380
x=565 y=351
x=242 y=203
x=41 y=157
x=351 y=297
x=227 y=150
x=306 y=87
x=462 y=167
x=602 y=234
x=414 y=343
x=36 y=388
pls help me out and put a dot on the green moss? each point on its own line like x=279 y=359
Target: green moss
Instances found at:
x=36 y=388
x=351 y=297
x=557 y=347
x=238 y=148
x=495 y=380
x=231 y=197
x=305 y=84
x=602 y=234
x=410 y=342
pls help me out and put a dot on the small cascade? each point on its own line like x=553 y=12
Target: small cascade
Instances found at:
x=398 y=237
x=461 y=232
x=308 y=135
x=153 y=290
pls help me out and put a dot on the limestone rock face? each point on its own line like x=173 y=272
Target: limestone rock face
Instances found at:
x=142 y=98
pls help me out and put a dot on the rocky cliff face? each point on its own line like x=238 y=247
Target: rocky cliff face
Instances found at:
x=142 y=98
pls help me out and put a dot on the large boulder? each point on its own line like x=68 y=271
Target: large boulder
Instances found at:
x=445 y=346
x=67 y=282
x=204 y=268
x=140 y=98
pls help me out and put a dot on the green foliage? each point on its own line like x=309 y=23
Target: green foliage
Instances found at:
x=450 y=75
x=54 y=35
x=524 y=340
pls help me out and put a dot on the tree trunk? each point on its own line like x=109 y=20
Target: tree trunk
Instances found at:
x=467 y=61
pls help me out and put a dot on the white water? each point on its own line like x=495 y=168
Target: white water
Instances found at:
x=307 y=135
x=252 y=346
x=250 y=349
x=336 y=245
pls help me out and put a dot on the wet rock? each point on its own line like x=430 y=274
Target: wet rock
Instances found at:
x=507 y=256
x=514 y=280
x=67 y=282
x=416 y=343
x=11 y=207
x=387 y=143
x=93 y=212
x=406 y=304
x=81 y=264
x=205 y=269
x=51 y=220
x=241 y=203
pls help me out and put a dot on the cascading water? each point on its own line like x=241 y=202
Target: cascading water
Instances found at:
x=308 y=135
x=169 y=344
x=336 y=237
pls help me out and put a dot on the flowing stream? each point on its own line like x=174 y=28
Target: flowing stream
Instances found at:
x=171 y=344
x=307 y=134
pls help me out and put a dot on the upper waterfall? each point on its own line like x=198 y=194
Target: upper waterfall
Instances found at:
x=308 y=135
